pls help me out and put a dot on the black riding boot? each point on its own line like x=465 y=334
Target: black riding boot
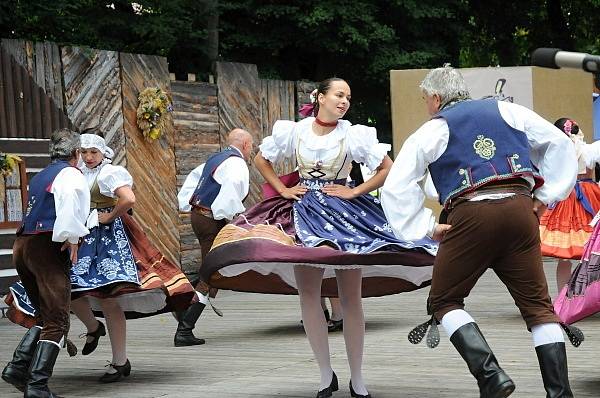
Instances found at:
x=187 y=321
x=492 y=380
x=553 y=365
x=17 y=370
x=40 y=371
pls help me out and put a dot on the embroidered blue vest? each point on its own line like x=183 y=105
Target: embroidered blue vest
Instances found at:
x=482 y=148
x=41 y=214
x=208 y=188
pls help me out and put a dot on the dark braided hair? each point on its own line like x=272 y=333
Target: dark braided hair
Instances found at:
x=573 y=127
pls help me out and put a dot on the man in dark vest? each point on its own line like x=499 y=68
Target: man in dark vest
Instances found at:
x=495 y=165
x=45 y=248
x=214 y=192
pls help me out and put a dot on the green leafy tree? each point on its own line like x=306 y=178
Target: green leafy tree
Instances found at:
x=174 y=28
x=357 y=40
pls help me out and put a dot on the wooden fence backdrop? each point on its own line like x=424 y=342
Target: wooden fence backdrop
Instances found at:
x=44 y=86
x=31 y=95
x=196 y=120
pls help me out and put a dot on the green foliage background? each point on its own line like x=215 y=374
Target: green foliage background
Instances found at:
x=360 y=41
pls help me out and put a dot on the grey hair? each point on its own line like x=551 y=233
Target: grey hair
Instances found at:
x=446 y=82
x=63 y=144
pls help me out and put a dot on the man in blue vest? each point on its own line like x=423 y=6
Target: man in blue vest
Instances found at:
x=495 y=166
x=45 y=248
x=214 y=192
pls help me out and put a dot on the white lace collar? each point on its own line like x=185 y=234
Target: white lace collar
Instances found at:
x=87 y=171
x=313 y=141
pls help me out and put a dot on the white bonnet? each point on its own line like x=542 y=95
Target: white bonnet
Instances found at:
x=95 y=141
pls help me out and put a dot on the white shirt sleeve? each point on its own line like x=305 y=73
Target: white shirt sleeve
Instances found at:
x=112 y=178
x=234 y=177
x=551 y=151
x=72 y=205
x=430 y=189
x=188 y=188
x=403 y=195
x=364 y=147
x=591 y=154
x=281 y=144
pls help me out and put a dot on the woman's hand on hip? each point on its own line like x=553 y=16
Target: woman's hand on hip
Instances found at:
x=340 y=191
x=440 y=231
x=294 y=192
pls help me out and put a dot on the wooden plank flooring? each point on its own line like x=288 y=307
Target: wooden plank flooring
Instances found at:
x=259 y=350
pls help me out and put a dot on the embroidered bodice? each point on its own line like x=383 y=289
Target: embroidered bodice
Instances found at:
x=103 y=181
x=326 y=157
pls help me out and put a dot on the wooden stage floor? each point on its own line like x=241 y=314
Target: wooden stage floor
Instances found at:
x=259 y=350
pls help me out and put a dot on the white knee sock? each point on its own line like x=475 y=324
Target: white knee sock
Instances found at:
x=547 y=333
x=455 y=319
x=59 y=344
x=202 y=298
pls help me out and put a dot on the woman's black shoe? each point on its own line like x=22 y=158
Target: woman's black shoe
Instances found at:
x=335 y=326
x=328 y=392
x=355 y=395
x=327 y=317
x=88 y=348
x=121 y=371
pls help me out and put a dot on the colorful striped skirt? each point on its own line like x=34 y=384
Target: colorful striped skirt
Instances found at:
x=564 y=228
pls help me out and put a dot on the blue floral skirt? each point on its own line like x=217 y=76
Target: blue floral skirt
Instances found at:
x=118 y=261
x=357 y=225
x=260 y=250
x=104 y=258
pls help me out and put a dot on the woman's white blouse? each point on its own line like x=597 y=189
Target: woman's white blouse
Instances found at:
x=110 y=178
x=360 y=144
x=587 y=154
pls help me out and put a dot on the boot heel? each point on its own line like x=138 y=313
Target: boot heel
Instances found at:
x=505 y=390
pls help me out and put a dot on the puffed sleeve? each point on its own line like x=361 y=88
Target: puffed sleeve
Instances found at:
x=591 y=154
x=281 y=144
x=111 y=178
x=364 y=147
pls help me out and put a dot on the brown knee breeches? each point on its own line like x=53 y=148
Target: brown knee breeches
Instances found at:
x=44 y=271
x=206 y=230
x=499 y=234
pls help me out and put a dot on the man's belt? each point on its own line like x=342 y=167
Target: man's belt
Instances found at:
x=204 y=211
x=517 y=189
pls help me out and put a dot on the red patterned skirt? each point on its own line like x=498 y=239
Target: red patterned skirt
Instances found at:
x=564 y=229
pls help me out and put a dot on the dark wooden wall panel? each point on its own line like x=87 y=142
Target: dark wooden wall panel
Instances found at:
x=239 y=93
x=277 y=103
x=196 y=121
x=27 y=110
x=42 y=61
x=93 y=94
x=151 y=163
